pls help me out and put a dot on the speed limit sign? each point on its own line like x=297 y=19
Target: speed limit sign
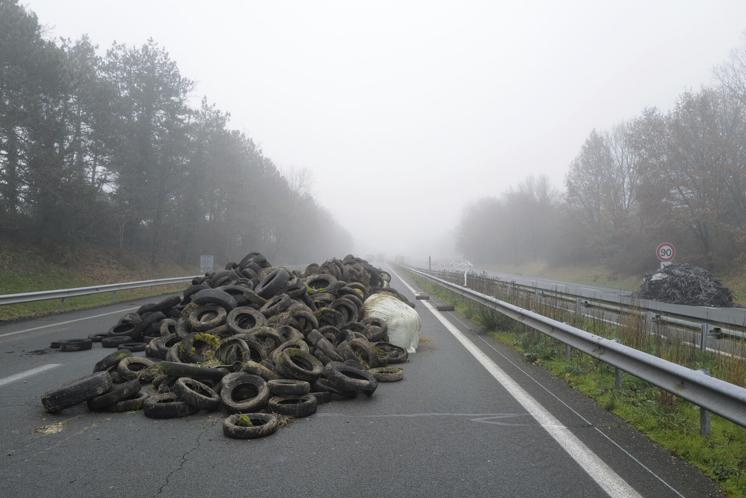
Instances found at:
x=665 y=252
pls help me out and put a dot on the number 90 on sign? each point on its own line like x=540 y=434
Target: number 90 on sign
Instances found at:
x=665 y=251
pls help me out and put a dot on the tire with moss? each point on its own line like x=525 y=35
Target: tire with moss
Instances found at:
x=110 y=361
x=293 y=406
x=254 y=368
x=129 y=367
x=196 y=394
x=250 y=425
x=244 y=318
x=387 y=374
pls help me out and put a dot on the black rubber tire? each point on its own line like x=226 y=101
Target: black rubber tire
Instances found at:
x=314 y=337
x=347 y=308
x=175 y=370
x=394 y=354
x=322 y=397
x=196 y=394
x=387 y=374
x=254 y=368
x=321 y=283
x=365 y=352
x=323 y=384
x=288 y=387
x=244 y=318
x=75 y=392
x=166 y=405
x=54 y=344
x=123 y=328
x=299 y=364
x=71 y=345
x=110 y=361
x=130 y=367
x=114 y=341
x=262 y=424
x=233 y=349
x=207 y=316
x=274 y=283
x=276 y=305
x=97 y=337
x=167 y=327
x=346 y=377
x=288 y=333
x=236 y=384
x=118 y=392
x=134 y=347
x=293 y=406
x=328 y=349
x=215 y=296
x=131 y=404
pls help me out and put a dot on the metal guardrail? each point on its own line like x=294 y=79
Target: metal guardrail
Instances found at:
x=660 y=311
x=709 y=393
x=28 y=297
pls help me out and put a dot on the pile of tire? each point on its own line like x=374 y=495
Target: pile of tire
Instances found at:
x=256 y=341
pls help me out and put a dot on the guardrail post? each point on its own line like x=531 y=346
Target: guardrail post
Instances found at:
x=568 y=352
x=578 y=306
x=705 y=423
x=62 y=304
x=705 y=327
x=617 y=375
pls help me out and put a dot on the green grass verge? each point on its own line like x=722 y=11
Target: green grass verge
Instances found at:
x=25 y=269
x=665 y=419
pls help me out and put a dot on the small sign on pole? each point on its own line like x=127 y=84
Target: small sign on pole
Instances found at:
x=665 y=252
x=206 y=263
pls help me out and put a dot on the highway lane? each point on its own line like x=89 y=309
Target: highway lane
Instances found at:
x=449 y=429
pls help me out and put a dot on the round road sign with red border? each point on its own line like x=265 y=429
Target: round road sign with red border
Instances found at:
x=665 y=251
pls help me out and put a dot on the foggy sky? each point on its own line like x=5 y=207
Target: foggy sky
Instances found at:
x=405 y=112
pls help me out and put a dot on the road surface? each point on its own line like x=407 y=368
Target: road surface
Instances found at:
x=471 y=418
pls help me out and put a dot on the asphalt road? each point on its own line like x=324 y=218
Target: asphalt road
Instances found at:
x=456 y=426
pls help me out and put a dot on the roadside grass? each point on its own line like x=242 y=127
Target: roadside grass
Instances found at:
x=26 y=269
x=604 y=277
x=669 y=421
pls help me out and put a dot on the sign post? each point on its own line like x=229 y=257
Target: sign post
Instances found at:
x=206 y=263
x=665 y=252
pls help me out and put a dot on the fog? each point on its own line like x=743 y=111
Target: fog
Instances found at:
x=402 y=114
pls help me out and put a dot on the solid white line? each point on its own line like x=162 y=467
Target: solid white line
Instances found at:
x=28 y=373
x=601 y=473
x=66 y=322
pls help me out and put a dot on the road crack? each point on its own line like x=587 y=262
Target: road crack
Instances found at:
x=184 y=458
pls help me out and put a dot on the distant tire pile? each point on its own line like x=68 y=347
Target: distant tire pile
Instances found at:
x=254 y=340
x=685 y=284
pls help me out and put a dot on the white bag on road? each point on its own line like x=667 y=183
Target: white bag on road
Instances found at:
x=402 y=321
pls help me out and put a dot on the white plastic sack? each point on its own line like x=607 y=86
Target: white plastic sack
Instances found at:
x=402 y=321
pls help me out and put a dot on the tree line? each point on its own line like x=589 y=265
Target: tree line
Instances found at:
x=677 y=176
x=106 y=150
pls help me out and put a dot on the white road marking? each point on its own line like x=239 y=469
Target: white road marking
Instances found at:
x=28 y=373
x=67 y=322
x=596 y=468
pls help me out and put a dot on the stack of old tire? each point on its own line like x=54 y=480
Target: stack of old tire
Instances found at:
x=257 y=341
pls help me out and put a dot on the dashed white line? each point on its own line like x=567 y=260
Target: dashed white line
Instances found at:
x=596 y=468
x=56 y=324
x=28 y=373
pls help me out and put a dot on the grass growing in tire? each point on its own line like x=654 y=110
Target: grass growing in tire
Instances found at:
x=669 y=421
